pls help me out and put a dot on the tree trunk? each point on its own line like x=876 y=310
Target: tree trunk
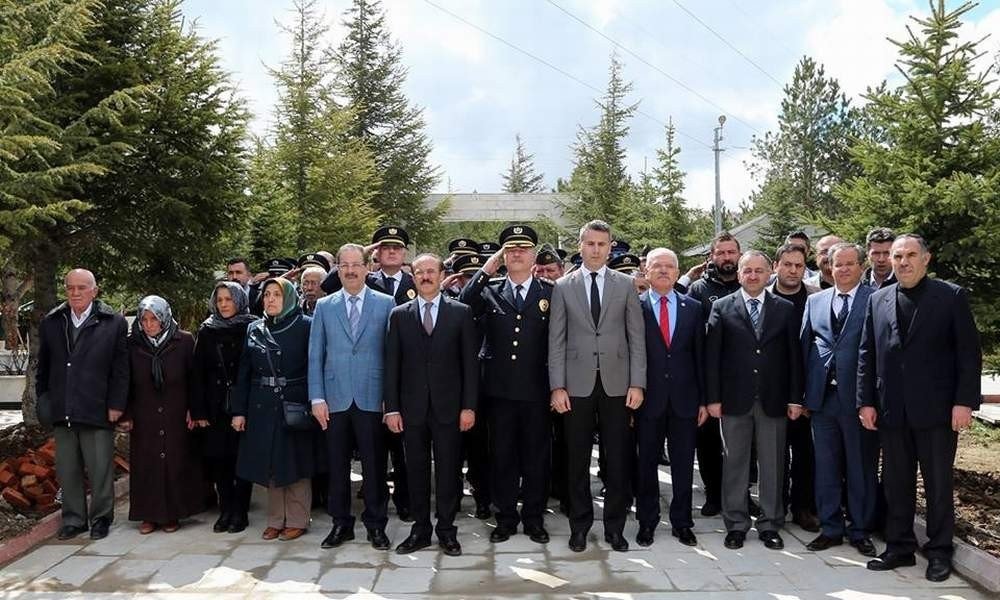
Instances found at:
x=13 y=290
x=46 y=262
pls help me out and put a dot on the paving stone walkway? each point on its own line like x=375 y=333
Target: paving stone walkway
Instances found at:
x=197 y=563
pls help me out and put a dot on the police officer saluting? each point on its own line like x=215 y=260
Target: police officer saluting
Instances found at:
x=513 y=312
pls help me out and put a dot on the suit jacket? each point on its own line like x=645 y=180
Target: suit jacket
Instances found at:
x=916 y=381
x=342 y=370
x=741 y=369
x=617 y=345
x=515 y=348
x=822 y=350
x=431 y=377
x=404 y=291
x=674 y=376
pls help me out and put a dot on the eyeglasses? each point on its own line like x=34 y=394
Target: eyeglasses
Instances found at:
x=346 y=266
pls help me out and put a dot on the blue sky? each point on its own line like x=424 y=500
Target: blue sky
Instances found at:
x=688 y=60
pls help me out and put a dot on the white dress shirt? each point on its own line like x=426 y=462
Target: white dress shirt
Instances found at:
x=587 y=279
x=838 y=301
x=77 y=321
x=435 y=305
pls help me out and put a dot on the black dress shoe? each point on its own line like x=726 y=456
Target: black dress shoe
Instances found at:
x=537 y=534
x=404 y=515
x=617 y=541
x=378 y=538
x=772 y=540
x=685 y=536
x=413 y=543
x=450 y=546
x=238 y=523
x=823 y=542
x=807 y=521
x=645 y=536
x=338 y=535
x=578 y=541
x=938 y=569
x=734 y=540
x=483 y=512
x=888 y=561
x=500 y=534
x=864 y=546
x=99 y=528
x=68 y=532
x=710 y=509
x=222 y=523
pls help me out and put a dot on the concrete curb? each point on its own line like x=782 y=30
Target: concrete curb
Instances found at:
x=46 y=528
x=971 y=562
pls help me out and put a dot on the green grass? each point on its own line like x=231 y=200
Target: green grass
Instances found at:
x=984 y=434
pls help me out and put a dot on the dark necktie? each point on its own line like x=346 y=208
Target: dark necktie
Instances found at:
x=518 y=300
x=838 y=325
x=389 y=283
x=754 y=313
x=428 y=318
x=595 y=299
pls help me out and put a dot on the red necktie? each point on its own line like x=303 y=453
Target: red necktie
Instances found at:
x=665 y=320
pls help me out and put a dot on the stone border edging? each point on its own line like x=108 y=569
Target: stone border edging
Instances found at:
x=46 y=528
x=970 y=562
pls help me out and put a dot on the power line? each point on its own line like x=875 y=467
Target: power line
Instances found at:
x=726 y=42
x=553 y=67
x=680 y=83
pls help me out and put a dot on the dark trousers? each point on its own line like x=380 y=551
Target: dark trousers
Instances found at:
x=847 y=453
x=393 y=443
x=446 y=443
x=709 y=447
x=363 y=429
x=558 y=478
x=933 y=450
x=234 y=493
x=476 y=454
x=800 y=476
x=681 y=435
x=613 y=417
x=521 y=449
x=87 y=452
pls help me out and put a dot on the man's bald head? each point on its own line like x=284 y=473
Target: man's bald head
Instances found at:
x=81 y=289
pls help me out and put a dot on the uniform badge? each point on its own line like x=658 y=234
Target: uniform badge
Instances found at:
x=393 y=231
x=411 y=293
x=518 y=230
x=543 y=305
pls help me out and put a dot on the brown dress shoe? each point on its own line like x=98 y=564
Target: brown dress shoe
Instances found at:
x=271 y=533
x=171 y=527
x=291 y=533
x=147 y=527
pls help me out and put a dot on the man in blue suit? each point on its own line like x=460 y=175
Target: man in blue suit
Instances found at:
x=345 y=384
x=919 y=369
x=831 y=333
x=675 y=400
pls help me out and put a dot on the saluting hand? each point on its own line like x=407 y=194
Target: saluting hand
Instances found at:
x=560 y=401
x=493 y=262
x=321 y=412
x=466 y=419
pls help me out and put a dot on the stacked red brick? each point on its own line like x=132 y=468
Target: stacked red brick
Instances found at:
x=28 y=482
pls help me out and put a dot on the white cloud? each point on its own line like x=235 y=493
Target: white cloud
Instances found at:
x=735 y=182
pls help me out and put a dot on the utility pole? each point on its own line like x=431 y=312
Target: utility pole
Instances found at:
x=718 y=192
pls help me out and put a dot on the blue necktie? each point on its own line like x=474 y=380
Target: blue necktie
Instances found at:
x=754 y=312
x=353 y=316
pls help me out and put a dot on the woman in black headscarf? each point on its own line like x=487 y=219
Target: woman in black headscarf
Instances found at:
x=272 y=373
x=164 y=405
x=217 y=358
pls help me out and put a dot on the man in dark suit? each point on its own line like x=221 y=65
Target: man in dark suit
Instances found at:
x=388 y=250
x=431 y=387
x=918 y=382
x=597 y=374
x=753 y=372
x=844 y=451
x=675 y=402
x=513 y=313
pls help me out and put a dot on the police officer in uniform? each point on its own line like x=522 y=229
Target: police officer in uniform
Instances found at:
x=514 y=315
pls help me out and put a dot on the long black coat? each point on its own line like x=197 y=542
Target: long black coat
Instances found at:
x=269 y=452
x=166 y=482
x=217 y=360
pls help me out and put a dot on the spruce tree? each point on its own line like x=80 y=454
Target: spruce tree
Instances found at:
x=370 y=77
x=521 y=177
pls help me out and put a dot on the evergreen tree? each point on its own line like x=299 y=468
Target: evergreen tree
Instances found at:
x=521 y=177
x=934 y=168
x=600 y=182
x=314 y=183
x=800 y=164
x=370 y=77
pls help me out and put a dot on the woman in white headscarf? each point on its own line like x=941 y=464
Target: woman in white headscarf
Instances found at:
x=164 y=405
